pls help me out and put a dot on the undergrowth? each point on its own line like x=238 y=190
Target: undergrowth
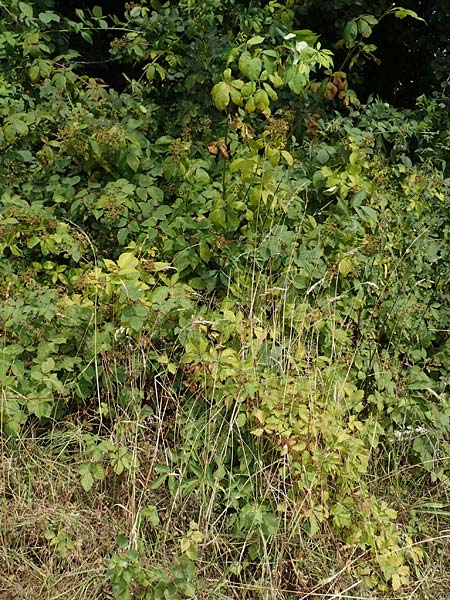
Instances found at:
x=224 y=359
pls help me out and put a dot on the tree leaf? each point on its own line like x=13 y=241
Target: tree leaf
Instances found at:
x=133 y=161
x=350 y=33
x=221 y=95
x=254 y=68
x=255 y=40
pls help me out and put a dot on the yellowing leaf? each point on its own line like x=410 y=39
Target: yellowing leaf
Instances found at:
x=185 y=544
x=221 y=95
x=254 y=68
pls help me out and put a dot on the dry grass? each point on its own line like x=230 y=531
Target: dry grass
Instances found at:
x=56 y=540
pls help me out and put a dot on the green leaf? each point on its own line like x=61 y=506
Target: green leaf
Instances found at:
x=241 y=420
x=218 y=217
x=87 y=481
x=26 y=10
x=261 y=99
x=236 y=96
x=401 y=13
x=248 y=89
x=350 y=33
x=255 y=40
x=188 y=589
x=270 y=92
x=98 y=472
x=48 y=365
x=158 y=482
x=287 y=157
x=364 y=28
x=346 y=266
x=122 y=541
x=34 y=72
x=60 y=82
x=127 y=262
x=48 y=16
x=254 y=68
x=221 y=95
x=133 y=161
x=150 y=513
x=244 y=61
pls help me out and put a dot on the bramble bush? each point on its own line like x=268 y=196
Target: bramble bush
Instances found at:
x=273 y=255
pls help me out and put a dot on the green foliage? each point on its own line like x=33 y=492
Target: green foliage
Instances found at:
x=278 y=267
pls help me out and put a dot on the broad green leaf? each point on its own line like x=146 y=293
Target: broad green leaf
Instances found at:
x=127 y=261
x=60 y=82
x=364 y=28
x=87 y=481
x=221 y=95
x=250 y=105
x=350 y=33
x=48 y=365
x=48 y=16
x=236 y=96
x=371 y=19
x=133 y=161
x=254 y=68
x=255 y=40
x=248 y=89
x=261 y=99
x=244 y=61
x=26 y=10
x=346 y=265
x=34 y=72
x=218 y=217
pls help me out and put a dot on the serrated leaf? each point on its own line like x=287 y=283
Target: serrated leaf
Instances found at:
x=87 y=481
x=221 y=95
x=98 y=472
x=346 y=266
x=150 y=513
x=26 y=10
x=60 y=82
